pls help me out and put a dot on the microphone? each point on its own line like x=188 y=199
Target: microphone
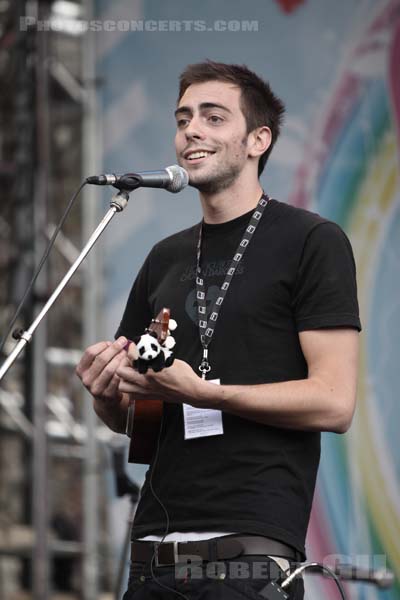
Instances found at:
x=173 y=179
x=382 y=578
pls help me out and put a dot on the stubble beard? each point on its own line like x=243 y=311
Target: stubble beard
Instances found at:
x=215 y=183
x=220 y=179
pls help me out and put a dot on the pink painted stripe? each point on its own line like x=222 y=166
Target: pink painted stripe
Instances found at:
x=343 y=99
x=394 y=80
x=321 y=542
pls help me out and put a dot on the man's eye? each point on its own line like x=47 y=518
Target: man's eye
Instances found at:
x=182 y=122
x=215 y=118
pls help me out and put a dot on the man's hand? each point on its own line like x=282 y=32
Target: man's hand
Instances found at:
x=97 y=370
x=324 y=401
x=178 y=383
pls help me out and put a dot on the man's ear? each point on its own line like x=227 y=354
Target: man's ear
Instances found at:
x=259 y=140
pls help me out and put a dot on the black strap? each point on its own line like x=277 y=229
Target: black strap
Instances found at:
x=207 y=325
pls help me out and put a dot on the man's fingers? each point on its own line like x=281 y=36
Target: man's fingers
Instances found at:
x=96 y=357
x=89 y=355
x=137 y=391
x=126 y=372
x=131 y=380
x=98 y=366
x=133 y=353
x=102 y=361
x=100 y=383
x=112 y=388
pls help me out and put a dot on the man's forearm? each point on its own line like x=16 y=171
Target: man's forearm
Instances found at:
x=305 y=404
x=324 y=401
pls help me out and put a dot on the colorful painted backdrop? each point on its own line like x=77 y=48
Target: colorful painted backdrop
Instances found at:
x=337 y=66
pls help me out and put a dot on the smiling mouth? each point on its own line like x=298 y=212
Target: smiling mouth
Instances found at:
x=198 y=155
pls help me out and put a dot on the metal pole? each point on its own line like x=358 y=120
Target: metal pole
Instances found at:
x=118 y=203
x=22 y=240
x=40 y=515
x=91 y=320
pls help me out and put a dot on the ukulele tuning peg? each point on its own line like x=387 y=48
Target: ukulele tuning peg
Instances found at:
x=172 y=325
x=169 y=342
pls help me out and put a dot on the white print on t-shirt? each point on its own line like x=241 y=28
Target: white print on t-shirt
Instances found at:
x=202 y=422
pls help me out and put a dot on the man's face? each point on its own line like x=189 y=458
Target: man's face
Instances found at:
x=211 y=138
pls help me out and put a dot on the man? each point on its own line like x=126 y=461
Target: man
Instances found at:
x=265 y=299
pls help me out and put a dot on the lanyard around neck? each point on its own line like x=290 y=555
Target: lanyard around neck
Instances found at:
x=207 y=325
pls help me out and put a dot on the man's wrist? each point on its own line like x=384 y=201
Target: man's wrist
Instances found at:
x=112 y=413
x=210 y=395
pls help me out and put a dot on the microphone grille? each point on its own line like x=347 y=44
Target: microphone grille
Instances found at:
x=179 y=178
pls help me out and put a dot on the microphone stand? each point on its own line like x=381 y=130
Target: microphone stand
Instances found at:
x=117 y=204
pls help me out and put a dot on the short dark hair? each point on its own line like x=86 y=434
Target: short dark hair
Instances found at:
x=260 y=106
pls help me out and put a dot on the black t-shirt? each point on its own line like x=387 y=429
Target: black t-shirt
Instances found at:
x=297 y=274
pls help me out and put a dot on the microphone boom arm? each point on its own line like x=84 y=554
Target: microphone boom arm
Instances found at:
x=117 y=204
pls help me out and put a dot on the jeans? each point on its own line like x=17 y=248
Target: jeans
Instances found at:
x=245 y=577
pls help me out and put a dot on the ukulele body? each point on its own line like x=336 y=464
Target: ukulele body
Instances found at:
x=146 y=421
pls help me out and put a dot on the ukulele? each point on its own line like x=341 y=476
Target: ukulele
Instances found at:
x=144 y=416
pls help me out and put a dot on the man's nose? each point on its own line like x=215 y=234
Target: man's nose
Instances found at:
x=194 y=130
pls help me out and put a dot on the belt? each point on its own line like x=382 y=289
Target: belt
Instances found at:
x=223 y=548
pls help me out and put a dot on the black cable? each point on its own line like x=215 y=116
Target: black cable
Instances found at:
x=336 y=579
x=318 y=567
x=39 y=268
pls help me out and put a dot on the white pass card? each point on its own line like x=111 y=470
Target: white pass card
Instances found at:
x=202 y=422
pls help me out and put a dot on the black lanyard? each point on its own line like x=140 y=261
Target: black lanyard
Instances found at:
x=207 y=326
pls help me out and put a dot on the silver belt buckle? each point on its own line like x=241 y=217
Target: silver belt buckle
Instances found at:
x=176 y=556
x=282 y=563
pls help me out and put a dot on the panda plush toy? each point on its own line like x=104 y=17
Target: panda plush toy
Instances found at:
x=152 y=354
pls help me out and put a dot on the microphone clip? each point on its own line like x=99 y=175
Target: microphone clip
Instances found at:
x=128 y=182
